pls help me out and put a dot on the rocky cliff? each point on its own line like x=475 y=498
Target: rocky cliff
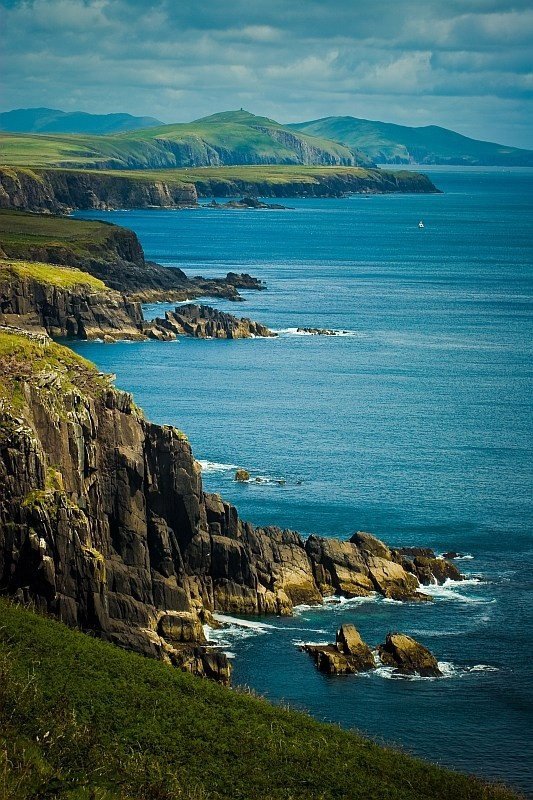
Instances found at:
x=79 y=309
x=104 y=522
x=58 y=191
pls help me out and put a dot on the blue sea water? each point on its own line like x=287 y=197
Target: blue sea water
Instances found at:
x=415 y=424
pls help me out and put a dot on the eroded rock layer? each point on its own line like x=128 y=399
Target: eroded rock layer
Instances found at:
x=204 y=322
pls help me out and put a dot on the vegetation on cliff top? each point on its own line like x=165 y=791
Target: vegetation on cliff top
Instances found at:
x=22 y=235
x=83 y=720
x=23 y=359
x=50 y=274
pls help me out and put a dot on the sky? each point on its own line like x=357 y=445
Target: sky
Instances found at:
x=462 y=64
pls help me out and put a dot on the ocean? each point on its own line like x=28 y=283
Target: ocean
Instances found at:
x=414 y=424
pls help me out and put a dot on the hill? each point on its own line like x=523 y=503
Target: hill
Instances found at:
x=52 y=120
x=231 y=138
x=386 y=143
x=80 y=719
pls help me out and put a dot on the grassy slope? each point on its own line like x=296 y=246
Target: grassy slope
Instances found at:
x=242 y=137
x=51 y=274
x=381 y=140
x=93 y=722
x=23 y=359
x=21 y=233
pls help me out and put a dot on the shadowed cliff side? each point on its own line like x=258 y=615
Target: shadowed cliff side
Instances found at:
x=104 y=522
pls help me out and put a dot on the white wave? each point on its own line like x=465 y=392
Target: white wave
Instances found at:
x=301 y=332
x=389 y=673
x=214 y=466
x=302 y=642
x=229 y=654
x=243 y=623
x=447 y=591
x=483 y=668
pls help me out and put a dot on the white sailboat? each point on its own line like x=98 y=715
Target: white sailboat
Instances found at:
x=421 y=224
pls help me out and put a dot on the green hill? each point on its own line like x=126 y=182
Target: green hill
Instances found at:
x=83 y=720
x=231 y=138
x=52 y=120
x=386 y=143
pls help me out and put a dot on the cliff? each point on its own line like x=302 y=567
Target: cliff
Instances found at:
x=109 y=253
x=58 y=191
x=104 y=522
x=62 y=301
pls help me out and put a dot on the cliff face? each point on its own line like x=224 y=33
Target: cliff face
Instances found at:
x=79 y=312
x=105 y=524
x=320 y=184
x=58 y=191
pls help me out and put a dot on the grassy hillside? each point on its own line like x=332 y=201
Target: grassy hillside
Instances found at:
x=395 y=144
x=83 y=720
x=51 y=274
x=61 y=239
x=52 y=120
x=229 y=138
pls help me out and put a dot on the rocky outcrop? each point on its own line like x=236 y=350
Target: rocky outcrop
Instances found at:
x=204 y=322
x=349 y=654
x=428 y=568
x=104 y=522
x=79 y=312
x=245 y=203
x=408 y=657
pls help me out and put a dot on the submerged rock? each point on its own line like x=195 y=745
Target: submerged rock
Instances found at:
x=408 y=656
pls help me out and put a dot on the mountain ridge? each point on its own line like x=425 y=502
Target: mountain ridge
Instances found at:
x=390 y=143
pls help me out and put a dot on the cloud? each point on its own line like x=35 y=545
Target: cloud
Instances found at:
x=465 y=64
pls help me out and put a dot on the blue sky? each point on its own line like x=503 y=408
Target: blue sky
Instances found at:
x=463 y=64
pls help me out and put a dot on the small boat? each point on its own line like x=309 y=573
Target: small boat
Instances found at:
x=420 y=224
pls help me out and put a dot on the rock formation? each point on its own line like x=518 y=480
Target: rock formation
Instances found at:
x=104 y=522
x=407 y=656
x=203 y=322
x=79 y=311
x=348 y=655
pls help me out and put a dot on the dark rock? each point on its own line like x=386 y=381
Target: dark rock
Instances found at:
x=204 y=322
x=242 y=475
x=408 y=656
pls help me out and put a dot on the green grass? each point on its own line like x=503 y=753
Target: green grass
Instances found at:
x=386 y=142
x=236 y=136
x=23 y=360
x=60 y=239
x=83 y=720
x=50 y=274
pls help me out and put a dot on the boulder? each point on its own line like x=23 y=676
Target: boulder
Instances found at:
x=242 y=475
x=349 y=654
x=408 y=656
x=349 y=642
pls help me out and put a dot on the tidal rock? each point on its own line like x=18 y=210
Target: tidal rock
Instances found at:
x=348 y=655
x=242 y=475
x=204 y=322
x=408 y=656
